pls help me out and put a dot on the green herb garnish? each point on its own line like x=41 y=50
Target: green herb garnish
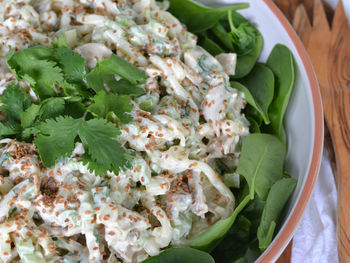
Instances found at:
x=75 y=105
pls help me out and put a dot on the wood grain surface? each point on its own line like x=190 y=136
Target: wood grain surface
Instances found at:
x=329 y=48
x=326 y=36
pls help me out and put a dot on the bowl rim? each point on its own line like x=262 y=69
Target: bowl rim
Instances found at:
x=286 y=233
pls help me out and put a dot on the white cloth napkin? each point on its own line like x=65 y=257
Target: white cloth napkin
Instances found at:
x=315 y=237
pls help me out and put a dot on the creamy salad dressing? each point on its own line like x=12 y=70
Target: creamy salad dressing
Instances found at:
x=188 y=119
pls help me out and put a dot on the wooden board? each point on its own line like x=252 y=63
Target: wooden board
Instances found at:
x=327 y=40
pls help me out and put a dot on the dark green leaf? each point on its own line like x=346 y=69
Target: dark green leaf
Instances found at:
x=181 y=254
x=51 y=108
x=197 y=17
x=93 y=166
x=252 y=113
x=9 y=129
x=14 y=101
x=282 y=63
x=260 y=82
x=72 y=64
x=212 y=236
x=261 y=163
x=124 y=87
x=225 y=37
x=75 y=89
x=29 y=115
x=35 y=65
x=276 y=200
x=100 y=140
x=243 y=36
x=235 y=243
x=56 y=139
x=106 y=70
x=254 y=126
x=210 y=46
x=246 y=62
x=112 y=107
x=74 y=109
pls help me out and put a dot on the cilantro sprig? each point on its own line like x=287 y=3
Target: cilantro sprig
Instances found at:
x=76 y=105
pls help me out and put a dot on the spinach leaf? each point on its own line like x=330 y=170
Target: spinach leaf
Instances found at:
x=197 y=17
x=261 y=109
x=243 y=36
x=282 y=63
x=210 y=46
x=260 y=83
x=181 y=254
x=235 y=243
x=252 y=113
x=246 y=62
x=276 y=199
x=225 y=37
x=254 y=126
x=261 y=163
x=211 y=237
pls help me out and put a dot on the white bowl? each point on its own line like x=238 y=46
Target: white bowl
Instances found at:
x=304 y=117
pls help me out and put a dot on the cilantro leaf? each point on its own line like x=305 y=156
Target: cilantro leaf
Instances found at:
x=114 y=108
x=93 y=166
x=14 y=101
x=29 y=115
x=35 y=65
x=74 y=89
x=106 y=70
x=72 y=64
x=99 y=138
x=9 y=129
x=124 y=87
x=56 y=138
x=60 y=41
x=74 y=109
x=51 y=108
x=122 y=109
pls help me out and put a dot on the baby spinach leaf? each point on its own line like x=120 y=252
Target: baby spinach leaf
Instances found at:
x=245 y=63
x=259 y=103
x=253 y=127
x=210 y=46
x=260 y=83
x=243 y=36
x=197 y=17
x=211 y=237
x=276 y=200
x=225 y=37
x=235 y=243
x=261 y=163
x=252 y=113
x=181 y=254
x=281 y=62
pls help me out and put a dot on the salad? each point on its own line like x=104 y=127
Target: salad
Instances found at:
x=138 y=131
